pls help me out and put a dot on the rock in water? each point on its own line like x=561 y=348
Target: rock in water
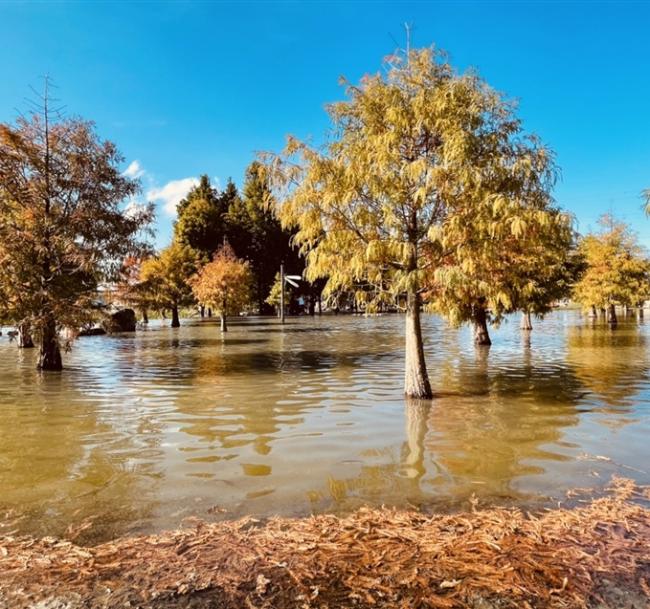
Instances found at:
x=121 y=321
x=92 y=332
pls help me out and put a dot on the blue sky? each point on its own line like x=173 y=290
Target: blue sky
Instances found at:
x=186 y=88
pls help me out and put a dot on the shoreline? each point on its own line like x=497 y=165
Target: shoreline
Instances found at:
x=596 y=555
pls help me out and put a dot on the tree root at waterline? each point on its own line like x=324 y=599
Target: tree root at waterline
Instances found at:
x=594 y=555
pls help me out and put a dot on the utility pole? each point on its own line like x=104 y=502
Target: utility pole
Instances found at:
x=282 y=293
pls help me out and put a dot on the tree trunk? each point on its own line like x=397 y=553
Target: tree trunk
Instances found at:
x=416 y=379
x=50 y=354
x=24 y=337
x=176 y=322
x=320 y=306
x=202 y=311
x=639 y=313
x=611 y=314
x=224 y=324
x=481 y=334
x=209 y=312
x=145 y=316
x=592 y=312
x=526 y=323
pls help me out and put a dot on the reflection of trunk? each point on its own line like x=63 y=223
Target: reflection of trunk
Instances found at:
x=481 y=381
x=416 y=380
x=202 y=311
x=176 y=322
x=260 y=293
x=481 y=334
x=526 y=324
x=222 y=314
x=417 y=413
x=24 y=337
x=50 y=354
x=592 y=312
x=611 y=314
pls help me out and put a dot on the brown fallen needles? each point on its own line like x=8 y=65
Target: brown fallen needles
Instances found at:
x=594 y=555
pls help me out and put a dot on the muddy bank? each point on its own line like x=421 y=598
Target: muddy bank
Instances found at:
x=594 y=555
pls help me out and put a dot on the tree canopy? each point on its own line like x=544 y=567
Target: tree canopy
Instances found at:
x=224 y=284
x=65 y=225
x=164 y=279
x=202 y=223
x=617 y=269
x=427 y=169
x=497 y=265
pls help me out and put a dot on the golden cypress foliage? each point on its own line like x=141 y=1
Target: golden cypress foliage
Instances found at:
x=422 y=189
x=617 y=267
x=224 y=284
x=164 y=279
x=64 y=224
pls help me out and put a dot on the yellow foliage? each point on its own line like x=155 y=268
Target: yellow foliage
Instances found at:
x=428 y=169
x=224 y=284
x=617 y=268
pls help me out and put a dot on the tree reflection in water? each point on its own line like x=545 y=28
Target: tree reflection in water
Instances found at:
x=147 y=429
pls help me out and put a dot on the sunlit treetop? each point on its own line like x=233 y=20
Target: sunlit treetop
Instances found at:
x=224 y=283
x=617 y=267
x=419 y=157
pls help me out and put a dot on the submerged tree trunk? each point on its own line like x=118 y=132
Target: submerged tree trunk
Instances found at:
x=481 y=334
x=209 y=312
x=24 y=337
x=50 y=354
x=202 y=311
x=416 y=379
x=611 y=314
x=526 y=324
x=145 y=316
x=639 y=313
x=176 y=322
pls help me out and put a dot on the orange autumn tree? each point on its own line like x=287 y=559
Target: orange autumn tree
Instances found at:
x=224 y=284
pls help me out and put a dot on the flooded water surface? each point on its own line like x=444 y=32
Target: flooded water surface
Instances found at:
x=142 y=431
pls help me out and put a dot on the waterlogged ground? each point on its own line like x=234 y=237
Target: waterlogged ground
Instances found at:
x=142 y=431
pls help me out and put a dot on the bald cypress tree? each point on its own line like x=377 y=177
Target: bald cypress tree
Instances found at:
x=416 y=154
x=65 y=224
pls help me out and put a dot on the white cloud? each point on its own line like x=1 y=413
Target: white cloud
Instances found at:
x=134 y=170
x=171 y=193
x=134 y=207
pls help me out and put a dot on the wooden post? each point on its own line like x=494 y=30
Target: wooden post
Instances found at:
x=282 y=293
